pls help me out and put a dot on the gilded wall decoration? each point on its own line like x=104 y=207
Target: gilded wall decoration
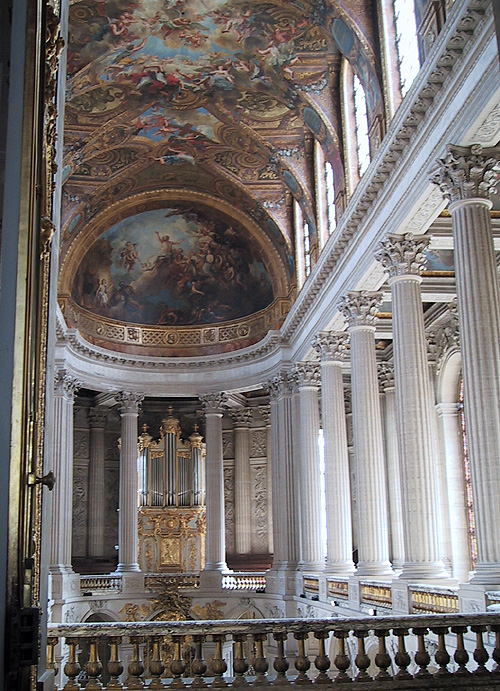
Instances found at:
x=211 y=610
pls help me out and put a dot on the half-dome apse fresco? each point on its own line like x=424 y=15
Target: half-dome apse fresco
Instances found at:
x=172 y=267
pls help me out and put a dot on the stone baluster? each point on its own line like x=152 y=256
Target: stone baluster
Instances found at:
x=215 y=549
x=307 y=378
x=129 y=483
x=97 y=482
x=331 y=348
x=403 y=257
x=466 y=176
x=386 y=383
x=359 y=309
x=242 y=483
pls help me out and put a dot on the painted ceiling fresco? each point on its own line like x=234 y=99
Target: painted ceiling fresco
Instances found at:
x=213 y=98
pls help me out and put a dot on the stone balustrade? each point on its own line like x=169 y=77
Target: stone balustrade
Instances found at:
x=244 y=581
x=427 y=652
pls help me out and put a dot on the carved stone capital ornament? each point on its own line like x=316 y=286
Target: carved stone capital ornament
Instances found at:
x=280 y=385
x=386 y=376
x=129 y=402
x=403 y=255
x=265 y=413
x=97 y=417
x=242 y=417
x=214 y=402
x=66 y=385
x=331 y=345
x=467 y=172
x=306 y=374
x=360 y=307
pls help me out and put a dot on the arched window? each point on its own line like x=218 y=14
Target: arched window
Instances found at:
x=307 y=248
x=468 y=488
x=330 y=197
x=361 y=119
x=406 y=43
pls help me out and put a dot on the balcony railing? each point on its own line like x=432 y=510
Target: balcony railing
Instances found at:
x=426 y=652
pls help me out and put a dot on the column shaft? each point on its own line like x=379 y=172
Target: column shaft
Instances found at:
x=129 y=484
x=97 y=484
x=242 y=484
x=215 y=547
x=373 y=534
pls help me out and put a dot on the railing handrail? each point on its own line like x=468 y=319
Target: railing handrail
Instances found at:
x=270 y=626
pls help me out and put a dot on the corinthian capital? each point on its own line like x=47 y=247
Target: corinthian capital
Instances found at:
x=65 y=385
x=330 y=345
x=129 y=402
x=97 y=417
x=241 y=417
x=402 y=255
x=214 y=402
x=280 y=385
x=386 y=376
x=467 y=172
x=360 y=307
x=306 y=374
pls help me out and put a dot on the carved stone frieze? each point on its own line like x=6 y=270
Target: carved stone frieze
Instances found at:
x=468 y=172
x=265 y=413
x=402 y=255
x=258 y=443
x=80 y=499
x=230 y=517
x=360 y=307
x=331 y=345
x=259 y=508
x=81 y=448
x=227 y=444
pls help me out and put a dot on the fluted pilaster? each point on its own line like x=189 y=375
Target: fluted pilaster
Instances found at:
x=360 y=309
x=307 y=380
x=97 y=483
x=65 y=388
x=242 y=485
x=129 y=482
x=466 y=176
x=265 y=413
x=403 y=257
x=215 y=548
x=331 y=348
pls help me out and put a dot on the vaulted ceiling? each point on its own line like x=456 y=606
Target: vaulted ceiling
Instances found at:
x=189 y=128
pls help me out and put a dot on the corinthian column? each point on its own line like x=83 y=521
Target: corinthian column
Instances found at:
x=285 y=490
x=386 y=382
x=466 y=176
x=331 y=348
x=97 y=483
x=307 y=378
x=129 y=483
x=65 y=388
x=215 y=547
x=404 y=259
x=242 y=488
x=359 y=309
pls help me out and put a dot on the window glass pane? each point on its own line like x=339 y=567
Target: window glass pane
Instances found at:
x=330 y=198
x=307 y=249
x=361 y=117
x=406 y=42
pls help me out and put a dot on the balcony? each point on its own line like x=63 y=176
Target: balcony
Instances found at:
x=426 y=652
